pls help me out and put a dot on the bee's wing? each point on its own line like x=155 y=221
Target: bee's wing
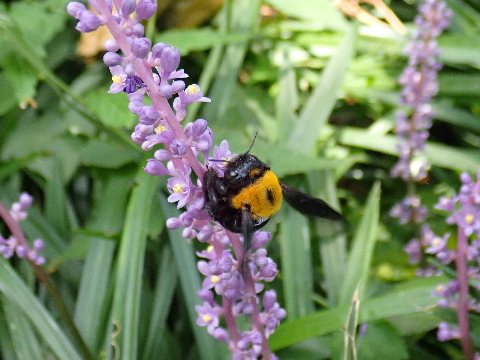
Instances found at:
x=308 y=205
x=247 y=230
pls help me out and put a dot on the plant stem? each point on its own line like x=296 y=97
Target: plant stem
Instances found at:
x=462 y=307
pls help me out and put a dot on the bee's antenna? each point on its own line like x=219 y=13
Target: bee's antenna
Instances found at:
x=253 y=142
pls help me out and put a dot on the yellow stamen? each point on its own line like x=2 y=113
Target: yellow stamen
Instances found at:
x=177 y=188
x=160 y=128
x=192 y=89
x=210 y=248
x=206 y=318
x=215 y=279
x=469 y=218
x=117 y=79
x=440 y=287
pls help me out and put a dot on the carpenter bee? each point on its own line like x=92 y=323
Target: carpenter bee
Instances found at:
x=249 y=193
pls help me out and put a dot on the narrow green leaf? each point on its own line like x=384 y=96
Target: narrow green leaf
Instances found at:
x=359 y=258
x=92 y=296
x=286 y=102
x=24 y=340
x=372 y=344
x=162 y=301
x=244 y=19
x=330 y=234
x=439 y=155
x=129 y=266
x=21 y=297
x=56 y=201
x=315 y=11
x=296 y=264
x=412 y=298
x=186 y=263
x=320 y=104
x=187 y=40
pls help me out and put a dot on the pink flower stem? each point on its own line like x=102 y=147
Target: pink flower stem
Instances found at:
x=462 y=306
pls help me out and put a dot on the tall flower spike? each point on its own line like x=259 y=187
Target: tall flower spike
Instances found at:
x=419 y=81
x=145 y=70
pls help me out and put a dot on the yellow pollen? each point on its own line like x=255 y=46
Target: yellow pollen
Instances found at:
x=160 y=128
x=436 y=242
x=177 y=188
x=206 y=318
x=191 y=89
x=117 y=79
x=469 y=218
x=215 y=279
x=210 y=248
x=440 y=287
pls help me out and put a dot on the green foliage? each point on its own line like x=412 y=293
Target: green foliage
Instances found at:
x=322 y=92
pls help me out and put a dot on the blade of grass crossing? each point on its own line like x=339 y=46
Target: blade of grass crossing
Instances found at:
x=359 y=258
x=24 y=340
x=320 y=104
x=296 y=264
x=164 y=290
x=129 y=266
x=407 y=300
x=22 y=298
x=332 y=241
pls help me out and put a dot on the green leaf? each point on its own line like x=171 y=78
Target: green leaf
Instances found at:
x=208 y=348
x=93 y=297
x=46 y=327
x=314 y=11
x=56 y=202
x=413 y=297
x=129 y=267
x=296 y=263
x=360 y=255
x=24 y=340
x=110 y=108
x=162 y=301
x=330 y=234
x=320 y=104
x=244 y=18
x=187 y=40
x=377 y=335
x=439 y=155
x=106 y=154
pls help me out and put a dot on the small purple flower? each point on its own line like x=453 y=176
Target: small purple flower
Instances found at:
x=19 y=209
x=447 y=332
x=180 y=187
x=208 y=316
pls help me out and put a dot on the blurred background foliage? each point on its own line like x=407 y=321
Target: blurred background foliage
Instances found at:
x=320 y=88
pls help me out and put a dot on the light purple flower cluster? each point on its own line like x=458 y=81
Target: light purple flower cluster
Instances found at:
x=419 y=81
x=464 y=212
x=152 y=70
x=14 y=245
